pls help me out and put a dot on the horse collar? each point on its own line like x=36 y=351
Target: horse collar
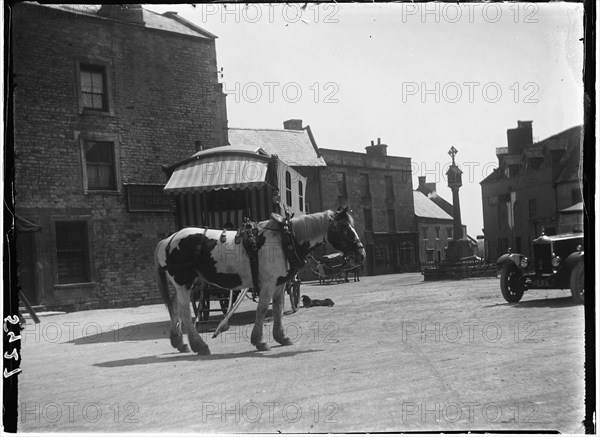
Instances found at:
x=290 y=245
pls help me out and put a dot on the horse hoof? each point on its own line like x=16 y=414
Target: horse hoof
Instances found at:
x=263 y=347
x=184 y=348
x=286 y=342
x=204 y=351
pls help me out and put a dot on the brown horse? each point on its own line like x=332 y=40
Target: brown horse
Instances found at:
x=196 y=254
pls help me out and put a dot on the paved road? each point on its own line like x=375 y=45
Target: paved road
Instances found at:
x=394 y=353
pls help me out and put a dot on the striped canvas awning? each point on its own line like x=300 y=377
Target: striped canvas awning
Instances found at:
x=217 y=173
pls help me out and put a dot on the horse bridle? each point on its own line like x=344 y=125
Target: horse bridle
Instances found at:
x=337 y=235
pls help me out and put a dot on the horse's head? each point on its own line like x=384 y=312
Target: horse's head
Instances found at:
x=343 y=237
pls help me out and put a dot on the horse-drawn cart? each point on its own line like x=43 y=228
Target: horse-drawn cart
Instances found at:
x=334 y=267
x=219 y=188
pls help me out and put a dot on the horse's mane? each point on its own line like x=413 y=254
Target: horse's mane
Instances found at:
x=309 y=226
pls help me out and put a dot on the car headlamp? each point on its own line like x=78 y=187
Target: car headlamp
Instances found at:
x=524 y=262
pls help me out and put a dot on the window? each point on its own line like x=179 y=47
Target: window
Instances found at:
x=513 y=171
x=72 y=253
x=364 y=185
x=381 y=254
x=518 y=244
x=532 y=208
x=288 y=188
x=429 y=255
x=368 y=219
x=425 y=233
x=93 y=86
x=391 y=216
x=437 y=232
x=341 y=184
x=100 y=165
x=300 y=196
x=449 y=231
x=389 y=187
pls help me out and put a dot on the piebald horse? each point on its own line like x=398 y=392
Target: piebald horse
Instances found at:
x=194 y=255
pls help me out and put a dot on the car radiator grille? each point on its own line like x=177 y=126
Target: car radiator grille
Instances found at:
x=542 y=255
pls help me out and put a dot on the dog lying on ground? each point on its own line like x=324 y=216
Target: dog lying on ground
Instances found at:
x=308 y=302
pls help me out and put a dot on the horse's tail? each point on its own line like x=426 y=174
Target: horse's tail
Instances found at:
x=161 y=281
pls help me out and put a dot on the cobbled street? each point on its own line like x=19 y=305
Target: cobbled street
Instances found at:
x=395 y=353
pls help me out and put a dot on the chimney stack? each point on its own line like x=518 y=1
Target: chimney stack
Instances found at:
x=132 y=13
x=293 y=124
x=519 y=138
x=377 y=149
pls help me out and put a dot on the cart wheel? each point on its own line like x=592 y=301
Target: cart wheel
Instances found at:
x=512 y=290
x=577 y=283
x=294 y=293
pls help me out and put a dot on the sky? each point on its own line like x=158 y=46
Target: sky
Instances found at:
x=421 y=77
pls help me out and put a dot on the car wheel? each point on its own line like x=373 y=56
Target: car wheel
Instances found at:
x=577 y=283
x=510 y=285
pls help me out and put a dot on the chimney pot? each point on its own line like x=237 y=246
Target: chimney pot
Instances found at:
x=372 y=143
x=378 y=140
x=422 y=180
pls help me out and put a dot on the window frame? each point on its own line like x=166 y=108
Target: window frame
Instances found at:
x=101 y=137
x=87 y=219
x=391 y=219
x=365 y=185
x=368 y=217
x=300 y=196
x=288 y=189
x=389 y=188
x=344 y=192
x=107 y=74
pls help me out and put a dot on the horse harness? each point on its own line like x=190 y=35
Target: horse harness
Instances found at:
x=247 y=234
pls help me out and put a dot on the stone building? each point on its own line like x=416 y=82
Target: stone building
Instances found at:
x=102 y=97
x=533 y=181
x=434 y=216
x=378 y=190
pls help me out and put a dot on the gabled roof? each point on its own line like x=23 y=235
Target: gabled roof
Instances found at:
x=169 y=21
x=426 y=208
x=294 y=147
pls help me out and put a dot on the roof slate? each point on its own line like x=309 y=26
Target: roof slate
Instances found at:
x=293 y=147
x=426 y=208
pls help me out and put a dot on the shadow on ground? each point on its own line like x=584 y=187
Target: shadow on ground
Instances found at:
x=558 y=302
x=160 y=330
x=176 y=356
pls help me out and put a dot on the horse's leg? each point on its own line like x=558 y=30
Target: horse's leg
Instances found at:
x=256 y=338
x=175 y=333
x=278 y=332
x=183 y=304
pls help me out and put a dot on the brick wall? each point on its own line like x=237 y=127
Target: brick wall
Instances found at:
x=165 y=98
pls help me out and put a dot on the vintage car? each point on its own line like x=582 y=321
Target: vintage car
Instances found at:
x=558 y=262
